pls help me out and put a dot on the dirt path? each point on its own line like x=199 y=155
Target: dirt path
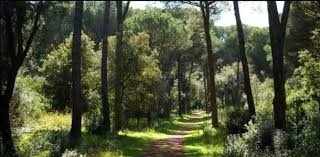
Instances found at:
x=172 y=146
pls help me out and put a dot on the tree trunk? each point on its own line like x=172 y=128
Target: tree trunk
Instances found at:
x=179 y=85
x=7 y=140
x=245 y=68
x=16 y=59
x=238 y=98
x=189 y=90
x=75 y=131
x=167 y=98
x=211 y=62
x=119 y=117
x=5 y=128
x=104 y=70
x=277 y=33
x=118 y=104
x=205 y=89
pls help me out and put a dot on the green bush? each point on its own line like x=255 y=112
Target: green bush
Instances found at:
x=27 y=102
x=57 y=73
x=257 y=141
x=236 y=119
x=50 y=141
x=72 y=153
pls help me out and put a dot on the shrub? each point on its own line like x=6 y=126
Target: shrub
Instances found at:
x=57 y=73
x=208 y=134
x=236 y=119
x=72 y=153
x=257 y=141
x=27 y=102
x=42 y=140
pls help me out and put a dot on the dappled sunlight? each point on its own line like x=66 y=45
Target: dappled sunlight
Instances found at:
x=105 y=79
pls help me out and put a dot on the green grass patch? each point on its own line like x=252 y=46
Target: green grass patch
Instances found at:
x=204 y=140
x=48 y=136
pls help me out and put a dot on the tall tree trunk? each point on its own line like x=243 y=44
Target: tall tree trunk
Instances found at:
x=75 y=131
x=5 y=128
x=16 y=59
x=277 y=31
x=245 y=68
x=179 y=85
x=167 y=98
x=189 y=90
x=119 y=117
x=211 y=62
x=238 y=99
x=118 y=103
x=205 y=90
x=104 y=70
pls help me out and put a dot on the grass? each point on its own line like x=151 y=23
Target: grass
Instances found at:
x=204 y=140
x=48 y=136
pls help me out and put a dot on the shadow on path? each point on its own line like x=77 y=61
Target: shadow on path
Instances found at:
x=172 y=146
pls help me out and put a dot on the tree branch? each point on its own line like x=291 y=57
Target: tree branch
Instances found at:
x=9 y=44
x=193 y=3
x=35 y=28
x=284 y=20
x=125 y=11
x=20 y=18
x=202 y=10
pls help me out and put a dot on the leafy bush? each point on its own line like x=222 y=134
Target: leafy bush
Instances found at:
x=27 y=101
x=257 y=141
x=57 y=73
x=72 y=153
x=308 y=142
x=280 y=144
x=42 y=140
x=236 y=119
x=208 y=134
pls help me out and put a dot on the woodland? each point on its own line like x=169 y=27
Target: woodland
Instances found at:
x=100 y=78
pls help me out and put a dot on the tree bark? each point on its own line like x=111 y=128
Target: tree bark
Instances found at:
x=119 y=117
x=104 y=70
x=238 y=98
x=245 y=68
x=277 y=31
x=5 y=128
x=75 y=131
x=180 y=110
x=16 y=59
x=189 y=90
x=211 y=62
x=205 y=90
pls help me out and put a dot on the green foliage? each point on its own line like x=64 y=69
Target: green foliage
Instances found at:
x=229 y=85
x=304 y=105
x=57 y=73
x=153 y=40
x=72 y=153
x=302 y=136
x=257 y=54
x=142 y=73
x=262 y=94
x=236 y=119
x=167 y=34
x=56 y=26
x=257 y=141
x=304 y=22
x=27 y=101
x=93 y=18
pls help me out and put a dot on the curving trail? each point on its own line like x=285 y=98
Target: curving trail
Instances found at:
x=172 y=146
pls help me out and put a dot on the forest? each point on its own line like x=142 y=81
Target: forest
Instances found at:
x=101 y=78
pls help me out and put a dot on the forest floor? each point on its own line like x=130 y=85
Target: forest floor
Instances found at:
x=188 y=139
x=172 y=145
x=190 y=135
